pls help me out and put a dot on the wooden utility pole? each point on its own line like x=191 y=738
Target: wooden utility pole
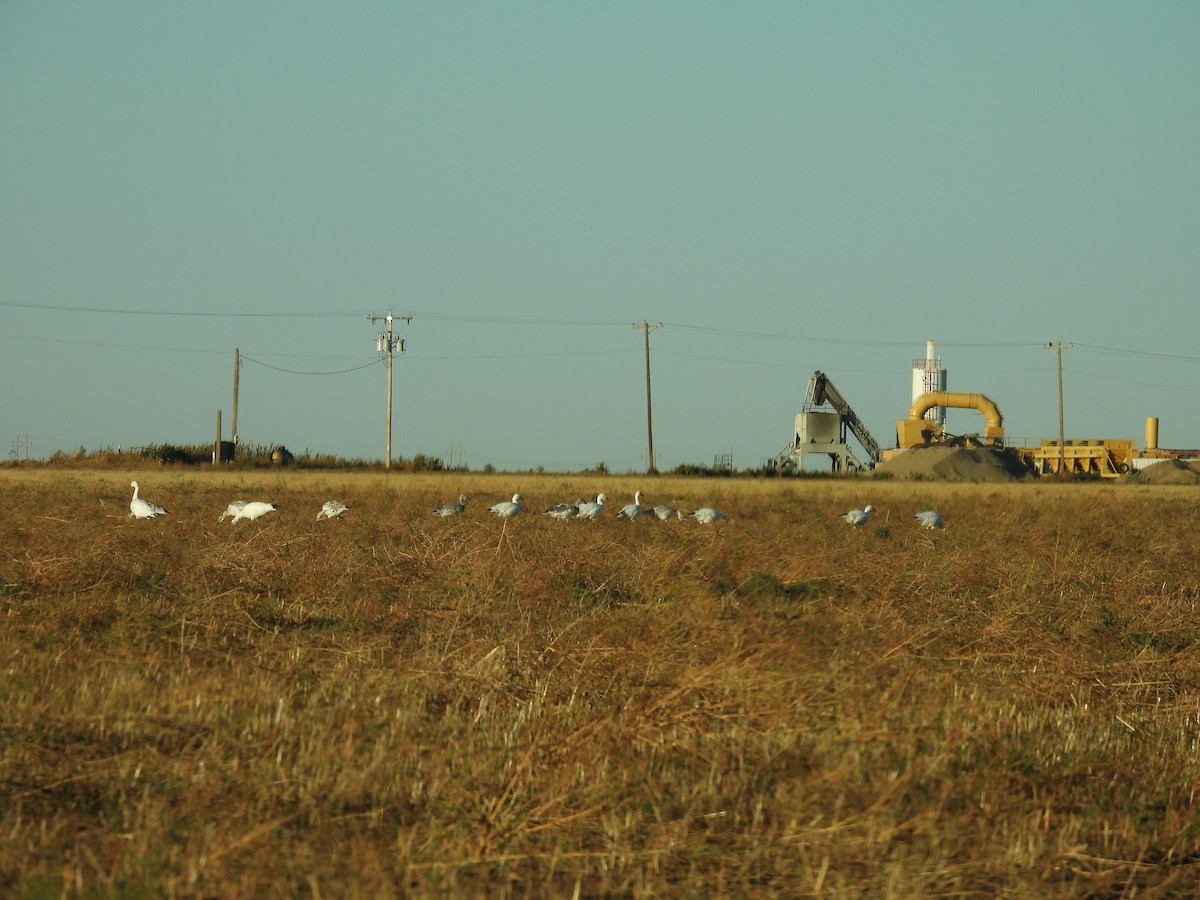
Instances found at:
x=1059 y=347
x=388 y=344
x=217 y=445
x=237 y=367
x=646 y=328
x=387 y=459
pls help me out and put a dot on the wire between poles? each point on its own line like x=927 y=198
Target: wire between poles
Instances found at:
x=373 y=362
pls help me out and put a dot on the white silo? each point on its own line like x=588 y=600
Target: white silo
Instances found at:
x=928 y=375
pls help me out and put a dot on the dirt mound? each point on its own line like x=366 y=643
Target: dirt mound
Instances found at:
x=955 y=464
x=1169 y=471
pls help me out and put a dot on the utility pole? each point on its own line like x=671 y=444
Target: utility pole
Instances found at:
x=18 y=443
x=646 y=328
x=1059 y=347
x=386 y=343
x=237 y=367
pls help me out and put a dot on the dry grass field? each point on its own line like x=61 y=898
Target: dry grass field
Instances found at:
x=394 y=704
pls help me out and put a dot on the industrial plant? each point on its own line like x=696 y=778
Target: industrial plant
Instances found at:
x=827 y=421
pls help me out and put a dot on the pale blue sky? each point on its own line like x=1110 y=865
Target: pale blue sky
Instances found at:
x=786 y=186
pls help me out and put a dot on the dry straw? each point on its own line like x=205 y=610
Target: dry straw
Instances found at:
x=396 y=704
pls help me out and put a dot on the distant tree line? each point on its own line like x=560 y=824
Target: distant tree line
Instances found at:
x=255 y=456
x=248 y=456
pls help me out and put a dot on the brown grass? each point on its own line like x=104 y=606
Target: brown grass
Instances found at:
x=393 y=704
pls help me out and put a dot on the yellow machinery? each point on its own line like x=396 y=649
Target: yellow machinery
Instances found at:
x=1108 y=458
x=917 y=431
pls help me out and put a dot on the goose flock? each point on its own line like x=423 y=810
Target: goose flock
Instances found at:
x=591 y=509
x=252 y=510
x=927 y=518
x=141 y=508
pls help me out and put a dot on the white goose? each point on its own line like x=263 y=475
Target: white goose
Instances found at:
x=632 y=510
x=590 y=509
x=706 y=515
x=452 y=509
x=143 y=509
x=507 y=508
x=663 y=513
x=332 y=509
x=930 y=519
x=255 y=509
x=232 y=509
x=858 y=516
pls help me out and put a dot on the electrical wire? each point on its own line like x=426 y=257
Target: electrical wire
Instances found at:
x=176 y=312
x=43 y=340
x=759 y=335
x=373 y=362
x=570 y=355
x=1118 y=351
x=561 y=322
x=1165 y=387
x=513 y=320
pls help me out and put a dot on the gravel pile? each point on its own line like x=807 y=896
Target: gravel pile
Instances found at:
x=1169 y=471
x=955 y=464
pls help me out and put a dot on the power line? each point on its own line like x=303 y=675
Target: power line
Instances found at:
x=547 y=322
x=742 y=362
x=1145 y=353
x=436 y=358
x=340 y=314
x=43 y=340
x=373 y=362
x=515 y=320
x=434 y=316
x=572 y=354
x=1165 y=387
x=25 y=337
x=795 y=338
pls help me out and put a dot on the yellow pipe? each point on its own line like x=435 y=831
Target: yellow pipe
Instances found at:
x=1152 y=432
x=960 y=400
